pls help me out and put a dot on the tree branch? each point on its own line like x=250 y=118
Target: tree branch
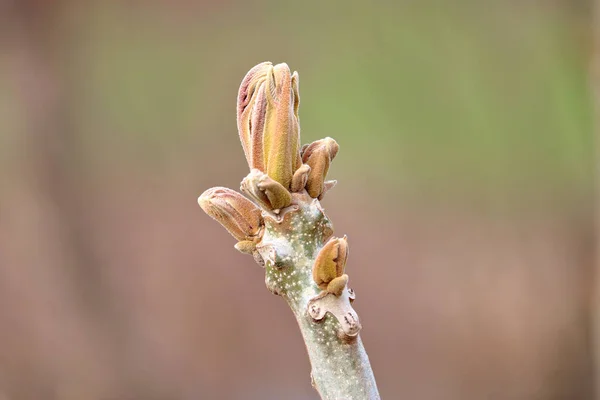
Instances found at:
x=287 y=232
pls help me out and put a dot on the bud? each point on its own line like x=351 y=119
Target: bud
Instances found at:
x=300 y=177
x=318 y=155
x=236 y=213
x=245 y=246
x=267 y=116
x=330 y=262
x=337 y=285
x=266 y=192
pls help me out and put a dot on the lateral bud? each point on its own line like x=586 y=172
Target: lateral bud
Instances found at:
x=318 y=155
x=246 y=246
x=236 y=213
x=300 y=177
x=337 y=285
x=330 y=262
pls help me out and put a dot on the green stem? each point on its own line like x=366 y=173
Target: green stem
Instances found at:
x=340 y=366
x=339 y=370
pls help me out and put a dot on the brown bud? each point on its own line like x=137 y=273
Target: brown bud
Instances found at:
x=337 y=285
x=330 y=262
x=300 y=177
x=267 y=115
x=232 y=210
x=318 y=155
x=266 y=192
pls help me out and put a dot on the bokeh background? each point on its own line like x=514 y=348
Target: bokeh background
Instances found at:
x=465 y=187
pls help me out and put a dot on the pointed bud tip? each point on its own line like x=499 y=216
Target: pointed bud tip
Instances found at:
x=332 y=146
x=204 y=200
x=283 y=66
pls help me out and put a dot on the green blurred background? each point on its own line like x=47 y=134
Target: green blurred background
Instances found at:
x=465 y=187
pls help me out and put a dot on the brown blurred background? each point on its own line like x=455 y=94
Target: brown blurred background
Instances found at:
x=465 y=187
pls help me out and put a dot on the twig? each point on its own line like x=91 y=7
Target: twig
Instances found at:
x=285 y=229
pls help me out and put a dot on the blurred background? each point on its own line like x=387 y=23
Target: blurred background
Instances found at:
x=465 y=187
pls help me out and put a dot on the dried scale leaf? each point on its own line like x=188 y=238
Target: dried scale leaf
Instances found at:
x=330 y=262
x=266 y=192
x=327 y=186
x=236 y=213
x=318 y=155
x=267 y=115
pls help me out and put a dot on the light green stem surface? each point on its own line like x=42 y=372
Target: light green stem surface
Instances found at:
x=340 y=365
